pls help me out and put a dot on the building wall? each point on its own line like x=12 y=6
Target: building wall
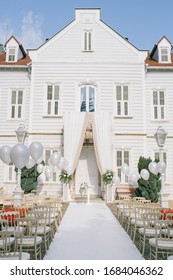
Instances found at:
x=113 y=61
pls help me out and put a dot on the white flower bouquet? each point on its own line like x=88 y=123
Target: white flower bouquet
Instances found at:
x=107 y=177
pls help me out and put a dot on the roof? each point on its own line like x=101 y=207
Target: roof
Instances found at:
x=22 y=61
x=12 y=37
x=156 y=45
x=151 y=62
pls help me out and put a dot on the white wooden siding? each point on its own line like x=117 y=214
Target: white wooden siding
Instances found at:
x=113 y=61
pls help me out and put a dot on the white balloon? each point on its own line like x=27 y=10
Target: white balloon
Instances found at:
x=19 y=155
x=153 y=167
x=40 y=168
x=132 y=183
x=145 y=174
x=55 y=169
x=49 y=163
x=39 y=160
x=125 y=169
x=48 y=172
x=30 y=163
x=69 y=170
x=5 y=154
x=134 y=177
x=62 y=163
x=55 y=158
x=36 y=150
x=161 y=166
x=116 y=180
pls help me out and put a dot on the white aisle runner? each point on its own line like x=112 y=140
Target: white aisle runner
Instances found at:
x=91 y=232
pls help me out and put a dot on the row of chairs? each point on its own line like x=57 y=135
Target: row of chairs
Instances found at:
x=34 y=232
x=155 y=230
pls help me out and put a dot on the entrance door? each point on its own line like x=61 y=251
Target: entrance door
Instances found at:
x=87 y=170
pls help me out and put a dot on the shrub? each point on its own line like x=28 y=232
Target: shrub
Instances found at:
x=149 y=189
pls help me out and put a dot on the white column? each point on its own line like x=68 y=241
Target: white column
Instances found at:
x=109 y=193
x=66 y=193
x=163 y=193
x=18 y=192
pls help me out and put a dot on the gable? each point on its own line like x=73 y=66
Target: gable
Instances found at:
x=107 y=45
x=162 y=51
x=14 y=50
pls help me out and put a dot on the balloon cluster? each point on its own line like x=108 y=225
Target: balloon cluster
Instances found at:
x=55 y=162
x=133 y=177
x=22 y=156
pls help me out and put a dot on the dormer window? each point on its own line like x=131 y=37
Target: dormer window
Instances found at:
x=161 y=52
x=11 y=54
x=164 y=55
x=14 y=50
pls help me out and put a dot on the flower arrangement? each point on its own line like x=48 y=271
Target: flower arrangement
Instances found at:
x=64 y=177
x=11 y=217
x=107 y=177
x=83 y=188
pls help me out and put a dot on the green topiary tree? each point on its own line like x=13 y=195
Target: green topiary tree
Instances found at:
x=150 y=188
x=29 y=178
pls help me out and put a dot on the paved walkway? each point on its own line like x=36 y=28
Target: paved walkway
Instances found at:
x=91 y=232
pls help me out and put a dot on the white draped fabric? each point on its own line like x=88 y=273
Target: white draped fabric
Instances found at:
x=75 y=124
x=102 y=130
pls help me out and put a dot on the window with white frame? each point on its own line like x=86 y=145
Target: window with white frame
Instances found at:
x=164 y=55
x=159 y=105
x=157 y=157
x=11 y=54
x=16 y=103
x=122 y=156
x=122 y=100
x=87 y=98
x=53 y=100
x=47 y=155
x=87 y=41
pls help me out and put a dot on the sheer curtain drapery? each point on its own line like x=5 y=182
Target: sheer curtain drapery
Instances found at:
x=102 y=136
x=75 y=124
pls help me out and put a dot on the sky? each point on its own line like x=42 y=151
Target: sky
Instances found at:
x=144 y=23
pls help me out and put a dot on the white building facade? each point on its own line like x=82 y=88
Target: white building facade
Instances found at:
x=89 y=93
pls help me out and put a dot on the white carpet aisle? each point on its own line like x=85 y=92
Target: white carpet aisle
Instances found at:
x=91 y=232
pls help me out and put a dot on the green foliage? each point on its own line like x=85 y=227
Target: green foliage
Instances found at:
x=83 y=188
x=107 y=177
x=29 y=178
x=64 y=177
x=148 y=189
